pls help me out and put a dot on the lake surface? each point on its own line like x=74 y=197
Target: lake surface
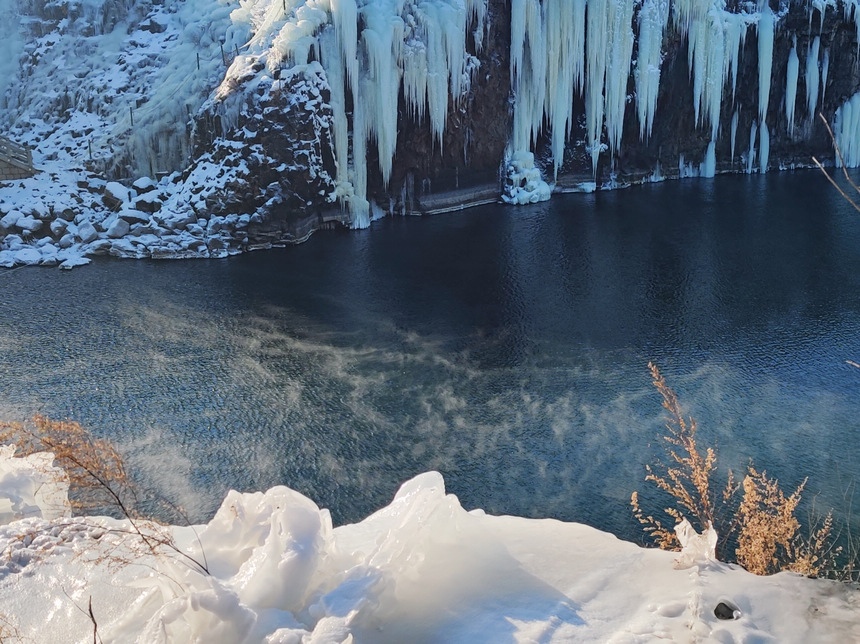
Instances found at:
x=506 y=347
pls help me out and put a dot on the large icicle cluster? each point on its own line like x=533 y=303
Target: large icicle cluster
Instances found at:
x=373 y=51
x=559 y=48
x=846 y=129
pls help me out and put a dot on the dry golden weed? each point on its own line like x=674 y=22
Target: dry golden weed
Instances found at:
x=763 y=523
x=686 y=478
x=98 y=483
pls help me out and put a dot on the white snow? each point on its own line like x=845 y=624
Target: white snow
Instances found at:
x=422 y=569
x=31 y=486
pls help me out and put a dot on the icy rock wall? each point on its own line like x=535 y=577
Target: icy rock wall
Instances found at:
x=374 y=52
x=560 y=48
x=576 y=66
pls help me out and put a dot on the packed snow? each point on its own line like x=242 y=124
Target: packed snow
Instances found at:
x=271 y=568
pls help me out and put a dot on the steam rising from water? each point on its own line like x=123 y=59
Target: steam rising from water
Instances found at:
x=505 y=348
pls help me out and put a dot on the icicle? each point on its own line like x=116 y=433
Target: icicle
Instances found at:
x=791 y=85
x=852 y=8
x=763 y=147
x=618 y=71
x=751 y=153
x=653 y=17
x=528 y=67
x=596 y=56
x=735 y=26
x=609 y=49
x=708 y=168
x=734 y=134
x=812 y=77
x=825 y=67
x=846 y=130
x=564 y=27
x=332 y=60
x=765 y=60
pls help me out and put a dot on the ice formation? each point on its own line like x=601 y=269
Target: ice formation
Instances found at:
x=653 y=18
x=751 y=153
x=846 y=130
x=812 y=77
x=791 y=85
x=763 y=147
x=422 y=569
x=765 y=60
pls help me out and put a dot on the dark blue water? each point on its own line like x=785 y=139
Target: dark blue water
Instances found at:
x=503 y=346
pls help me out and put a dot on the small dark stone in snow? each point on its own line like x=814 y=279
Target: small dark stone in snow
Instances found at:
x=726 y=611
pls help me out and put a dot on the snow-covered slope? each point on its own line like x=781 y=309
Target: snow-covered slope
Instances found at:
x=422 y=569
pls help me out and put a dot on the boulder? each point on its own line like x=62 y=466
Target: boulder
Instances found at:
x=100 y=247
x=87 y=232
x=118 y=228
x=28 y=224
x=143 y=185
x=10 y=219
x=133 y=216
x=59 y=227
x=66 y=241
x=115 y=196
x=28 y=257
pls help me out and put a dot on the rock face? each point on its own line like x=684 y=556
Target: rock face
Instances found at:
x=277 y=157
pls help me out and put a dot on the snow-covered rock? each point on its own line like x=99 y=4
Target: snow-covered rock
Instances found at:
x=116 y=195
x=10 y=219
x=87 y=232
x=28 y=256
x=28 y=224
x=119 y=228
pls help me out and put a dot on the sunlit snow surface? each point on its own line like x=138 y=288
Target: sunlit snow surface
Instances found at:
x=420 y=570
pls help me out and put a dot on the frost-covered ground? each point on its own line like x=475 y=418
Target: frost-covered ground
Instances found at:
x=422 y=569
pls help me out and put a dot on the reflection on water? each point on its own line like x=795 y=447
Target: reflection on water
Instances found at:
x=505 y=347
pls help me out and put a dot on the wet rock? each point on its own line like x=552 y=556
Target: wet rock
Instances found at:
x=727 y=610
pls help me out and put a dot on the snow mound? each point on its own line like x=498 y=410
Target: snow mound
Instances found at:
x=422 y=569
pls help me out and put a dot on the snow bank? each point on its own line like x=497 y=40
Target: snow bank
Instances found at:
x=422 y=569
x=31 y=487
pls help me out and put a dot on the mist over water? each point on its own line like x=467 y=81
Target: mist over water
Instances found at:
x=505 y=347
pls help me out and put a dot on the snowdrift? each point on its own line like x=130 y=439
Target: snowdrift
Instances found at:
x=422 y=569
